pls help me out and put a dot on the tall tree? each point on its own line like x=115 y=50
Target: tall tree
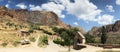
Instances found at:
x=103 y=35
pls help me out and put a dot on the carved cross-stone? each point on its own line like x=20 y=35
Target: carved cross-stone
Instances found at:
x=79 y=38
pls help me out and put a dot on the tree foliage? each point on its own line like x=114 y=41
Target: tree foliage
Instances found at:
x=89 y=38
x=66 y=34
x=103 y=35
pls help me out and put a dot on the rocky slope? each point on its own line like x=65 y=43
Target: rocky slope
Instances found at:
x=110 y=29
x=112 y=32
x=24 y=16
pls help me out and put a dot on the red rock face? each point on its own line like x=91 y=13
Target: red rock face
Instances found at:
x=116 y=26
x=42 y=17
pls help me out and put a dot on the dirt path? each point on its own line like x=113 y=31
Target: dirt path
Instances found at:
x=90 y=49
x=36 y=42
x=28 y=49
x=52 y=47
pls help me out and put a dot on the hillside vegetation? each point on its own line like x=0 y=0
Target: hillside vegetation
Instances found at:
x=112 y=32
x=21 y=27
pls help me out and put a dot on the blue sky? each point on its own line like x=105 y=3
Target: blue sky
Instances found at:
x=83 y=13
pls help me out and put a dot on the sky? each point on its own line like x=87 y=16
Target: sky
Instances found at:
x=82 y=13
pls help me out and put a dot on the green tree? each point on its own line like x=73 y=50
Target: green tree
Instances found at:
x=89 y=38
x=103 y=35
x=66 y=34
x=55 y=29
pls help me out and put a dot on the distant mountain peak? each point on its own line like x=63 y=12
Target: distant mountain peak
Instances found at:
x=114 y=28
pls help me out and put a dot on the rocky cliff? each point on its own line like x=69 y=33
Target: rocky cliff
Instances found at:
x=112 y=32
x=41 y=17
x=110 y=29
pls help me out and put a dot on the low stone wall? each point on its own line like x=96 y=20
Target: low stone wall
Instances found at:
x=105 y=45
x=78 y=47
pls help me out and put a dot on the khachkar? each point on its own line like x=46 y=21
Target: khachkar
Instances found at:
x=79 y=39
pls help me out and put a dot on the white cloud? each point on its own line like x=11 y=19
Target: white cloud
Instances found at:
x=87 y=11
x=31 y=5
x=34 y=8
x=57 y=8
x=83 y=9
x=118 y=2
x=110 y=8
x=75 y=23
x=105 y=19
x=21 y=5
x=50 y=6
x=7 y=5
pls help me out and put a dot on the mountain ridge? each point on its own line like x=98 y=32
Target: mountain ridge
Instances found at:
x=42 y=17
x=110 y=28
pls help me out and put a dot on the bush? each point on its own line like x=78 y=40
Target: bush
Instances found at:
x=61 y=42
x=35 y=26
x=55 y=29
x=43 y=40
x=15 y=43
x=89 y=38
x=32 y=39
x=4 y=44
x=49 y=33
x=57 y=41
x=31 y=30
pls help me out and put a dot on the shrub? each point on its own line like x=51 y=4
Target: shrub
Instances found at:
x=35 y=26
x=31 y=30
x=57 y=41
x=10 y=24
x=16 y=28
x=4 y=44
x=32 y=39
x=15 y=43
x=89 y=38
x=55 y=29
x=43 y=40
x=49 y=33
x=61 y=42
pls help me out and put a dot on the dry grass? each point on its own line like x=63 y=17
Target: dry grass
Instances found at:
x=109 y=51
x=9 y=37
x=47 y=28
